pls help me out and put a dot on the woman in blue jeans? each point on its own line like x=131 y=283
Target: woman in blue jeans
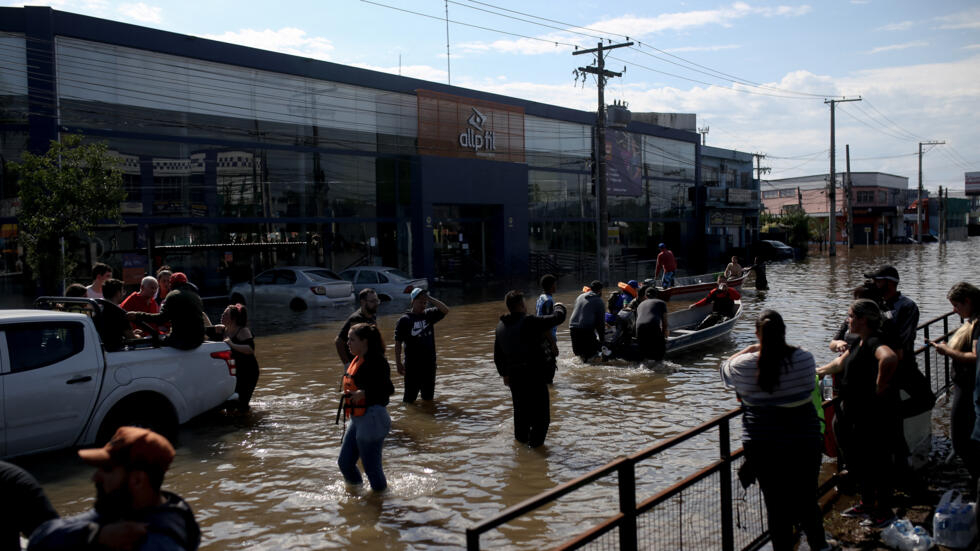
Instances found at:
x=367 y=386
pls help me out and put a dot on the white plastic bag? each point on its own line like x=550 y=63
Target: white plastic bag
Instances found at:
x=902 y=535
x=954 y=524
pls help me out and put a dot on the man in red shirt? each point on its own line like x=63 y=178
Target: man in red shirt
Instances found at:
x=722 y=299
x=667 y=263
x=142 y=300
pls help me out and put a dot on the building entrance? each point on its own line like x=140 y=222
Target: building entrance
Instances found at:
x=464 y=241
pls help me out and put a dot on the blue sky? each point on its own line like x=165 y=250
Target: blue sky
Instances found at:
x=916 y=64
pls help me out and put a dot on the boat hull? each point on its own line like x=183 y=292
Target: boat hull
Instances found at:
x=697 y=286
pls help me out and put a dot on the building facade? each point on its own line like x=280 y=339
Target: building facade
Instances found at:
x=235 y=159
x=878 y=203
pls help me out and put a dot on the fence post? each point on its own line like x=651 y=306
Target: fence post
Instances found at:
x=725 y=482
x=946 y=358
x=627 y=506
x=472 y=540
x=926 y=355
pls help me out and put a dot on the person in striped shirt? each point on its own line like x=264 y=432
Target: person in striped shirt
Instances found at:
x=780 y=429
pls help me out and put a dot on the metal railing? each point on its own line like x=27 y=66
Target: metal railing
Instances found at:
x=722 y=511
x=939 y=379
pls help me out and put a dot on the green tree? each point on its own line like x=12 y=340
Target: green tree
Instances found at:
x=63 y=194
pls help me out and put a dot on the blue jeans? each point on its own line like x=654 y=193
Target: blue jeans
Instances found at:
x=668 y=280
x=363 y=441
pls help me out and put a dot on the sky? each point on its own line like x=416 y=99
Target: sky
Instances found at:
x=756 y=73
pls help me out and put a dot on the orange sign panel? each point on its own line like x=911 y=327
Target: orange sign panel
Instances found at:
x=454 y=126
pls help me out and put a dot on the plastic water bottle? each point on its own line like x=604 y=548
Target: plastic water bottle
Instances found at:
x=827 y=387
x=924 y=540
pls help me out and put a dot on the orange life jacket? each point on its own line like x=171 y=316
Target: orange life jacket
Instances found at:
x=350 y=408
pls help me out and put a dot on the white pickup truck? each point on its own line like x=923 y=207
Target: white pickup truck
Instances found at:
x=59 y=388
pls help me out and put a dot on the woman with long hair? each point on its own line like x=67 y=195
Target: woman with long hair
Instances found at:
x=367 y=387
x=867 y=423
x=961 y=349
x=234 y=330
x=780 y=429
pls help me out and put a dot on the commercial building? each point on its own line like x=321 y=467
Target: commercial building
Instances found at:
x=878 y=202
x=233 y=156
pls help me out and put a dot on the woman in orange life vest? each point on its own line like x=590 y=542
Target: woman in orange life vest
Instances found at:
x=367 y=386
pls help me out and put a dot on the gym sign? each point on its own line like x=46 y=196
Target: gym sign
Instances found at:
x=454 y=126
x=475 y=137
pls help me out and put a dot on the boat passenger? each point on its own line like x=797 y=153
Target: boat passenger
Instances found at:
x=722 y=298
x=734 y=269
x=781 y=432
x=651 y=325
x=667 y=263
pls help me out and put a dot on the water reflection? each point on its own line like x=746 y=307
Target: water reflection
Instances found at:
x=270 y=481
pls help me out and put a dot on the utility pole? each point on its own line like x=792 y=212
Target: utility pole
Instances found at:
x=704 y=134
x=832 y=249
x=848 y=199
x=602 y=232
x=449 y=72
x=918 y=210
x=942 y=214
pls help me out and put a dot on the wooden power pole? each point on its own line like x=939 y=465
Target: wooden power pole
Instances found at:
x=602 y=232
x=848 y=199
x=918 y=210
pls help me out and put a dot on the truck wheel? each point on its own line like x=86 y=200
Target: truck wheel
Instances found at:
x=237 y=299
x=297 y=305
x=146 y=410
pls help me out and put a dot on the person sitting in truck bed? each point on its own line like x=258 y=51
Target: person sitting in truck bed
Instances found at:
x=185 y=312
x=114 y=328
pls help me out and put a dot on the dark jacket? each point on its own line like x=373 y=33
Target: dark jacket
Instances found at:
x=171 y=528
x=521 y=347
x=185 y=311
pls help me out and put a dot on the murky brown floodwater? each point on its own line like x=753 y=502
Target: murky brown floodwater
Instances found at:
x=271 y=481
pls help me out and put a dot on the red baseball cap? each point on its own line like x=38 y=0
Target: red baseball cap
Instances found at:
x=132 y=446
x=177 y=278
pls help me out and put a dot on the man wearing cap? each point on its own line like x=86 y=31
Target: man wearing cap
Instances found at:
x=131 y=511
x=587 y=326
x=667 y=263
x=183 y=309
x=902 y=310
x=414 y=331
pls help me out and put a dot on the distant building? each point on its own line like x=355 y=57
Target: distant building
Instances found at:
x=878 y=202
x=731 y=200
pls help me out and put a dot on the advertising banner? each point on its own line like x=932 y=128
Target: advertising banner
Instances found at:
x=455 y=126
x=624 y=164
x=973 y=183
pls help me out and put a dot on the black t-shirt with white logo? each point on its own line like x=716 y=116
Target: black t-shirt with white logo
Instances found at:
x=416 y=332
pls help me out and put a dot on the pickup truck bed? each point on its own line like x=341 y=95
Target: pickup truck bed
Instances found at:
x=59 y=388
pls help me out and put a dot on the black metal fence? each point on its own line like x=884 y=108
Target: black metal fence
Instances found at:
x=706 y=509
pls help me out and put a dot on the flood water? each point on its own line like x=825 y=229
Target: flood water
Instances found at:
x=270 y=481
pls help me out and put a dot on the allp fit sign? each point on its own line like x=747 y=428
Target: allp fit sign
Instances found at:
x=454 y=126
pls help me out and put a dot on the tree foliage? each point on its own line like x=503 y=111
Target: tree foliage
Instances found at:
x=64 y=193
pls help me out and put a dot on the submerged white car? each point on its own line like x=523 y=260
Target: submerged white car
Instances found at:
x=390 y=283
x=299 y=287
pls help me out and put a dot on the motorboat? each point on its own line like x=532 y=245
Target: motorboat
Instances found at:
x=697 y=286
x=684 y=335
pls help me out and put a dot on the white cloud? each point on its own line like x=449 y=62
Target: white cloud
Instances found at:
x=900 y=26
x=968 y=19
x=972 y=47
x=703 y=48
x=141 y=12
x=905 y=46
x=637 y=27
x=288 y=40
x=860 y=2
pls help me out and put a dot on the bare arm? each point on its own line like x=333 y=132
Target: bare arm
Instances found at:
x=887 y=363
x=747 y=350
x=342 y=351
x=398 y=358
x=839 y=345
x=441 y=306
x=956 y=355
x=835 y=366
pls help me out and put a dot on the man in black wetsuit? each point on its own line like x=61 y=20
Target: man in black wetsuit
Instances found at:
x=520 y=352
x=185 y=312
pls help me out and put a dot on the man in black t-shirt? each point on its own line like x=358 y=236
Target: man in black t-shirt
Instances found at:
x=651 y=325
x=415 y=332
x=116 y=330
x=367 y=313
